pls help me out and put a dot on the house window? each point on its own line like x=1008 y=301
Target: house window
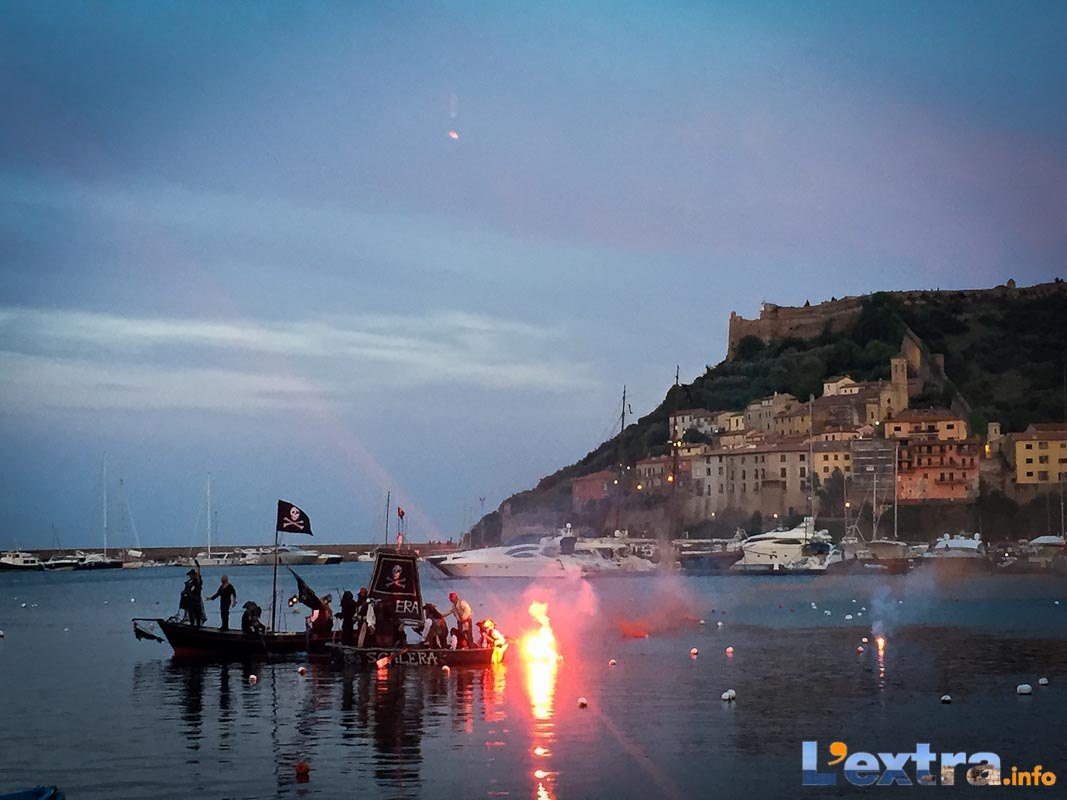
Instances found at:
x=951 y=426
x=825 y=470
x=783 y=472
x=801 y=456
x=1042 y=475
x=1042 y=445
x=1029 y=461
x=1042 y=459
x=783 y=458
x=1029 y=474
x=803 y=472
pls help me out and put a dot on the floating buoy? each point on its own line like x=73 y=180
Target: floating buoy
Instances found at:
x=694 y=652
x=302 y=670
x=729 y=652
x=702 y=622
x=859 y=648
x=132 y=600
x=303 y=772
x=863 y=640
x=105 y=602
x=1 y=634
x=859 y=614
x=66 y=630
x=446 y=669
x=718 y=624
x=23 y=605
x=900 y=602
x=848 y=616
x=946 y=699
x=1024 y=688
x=863 y=608
x=1040 y=681
x=34 y=606
x=853 y=601
x=827 y=613
x=582 y=702
x=612 y=663
x=252 y=680
x=1057 y=602
x=729 y=695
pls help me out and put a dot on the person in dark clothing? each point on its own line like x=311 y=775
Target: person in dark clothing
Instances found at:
x=437 y=635
x=192 y=601
x=250 y=619
x=227 y=596
x=365 y=617
x=321 y=620
x=348 y=617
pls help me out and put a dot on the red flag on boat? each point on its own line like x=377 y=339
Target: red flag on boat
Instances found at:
x=400 y=512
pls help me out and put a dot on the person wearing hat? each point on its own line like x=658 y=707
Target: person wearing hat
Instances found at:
x=492 y=637
x=192 y=603
x=437 y=634
x=227 y=596
x=461 y=610
x=365 y=617
x=321 y=619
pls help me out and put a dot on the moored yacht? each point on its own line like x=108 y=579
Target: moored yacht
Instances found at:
x=17 y=560
x=550 y=557
x=96 y=561
x=779 y=550
x=58 y=563
x=958 y=554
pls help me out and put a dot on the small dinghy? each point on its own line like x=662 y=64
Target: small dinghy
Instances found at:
x=39 y=793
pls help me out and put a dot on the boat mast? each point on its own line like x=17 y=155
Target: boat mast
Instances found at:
x=274 y=583
x=388 y=505
x=896 y=491
x=209 y=516
x=105 y=506
x=622 y=429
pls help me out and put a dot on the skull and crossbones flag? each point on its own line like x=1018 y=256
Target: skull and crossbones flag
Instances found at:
x=292 y=519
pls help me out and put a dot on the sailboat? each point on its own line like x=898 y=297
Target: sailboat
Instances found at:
x=208 y=559
x=99 y=560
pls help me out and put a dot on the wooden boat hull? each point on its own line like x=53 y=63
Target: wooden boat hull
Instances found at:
x=214 y=643
x=414 y=656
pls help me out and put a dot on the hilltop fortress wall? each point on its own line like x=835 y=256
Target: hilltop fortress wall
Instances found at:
x=807 y=322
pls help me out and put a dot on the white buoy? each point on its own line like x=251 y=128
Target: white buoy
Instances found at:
x=729 y=695
x=446 y=669
x=34 y=606
x=702 y=622
x=946 y=699
x=105 y=602
x=718 y=624
x=132 y=600
x=694 y=652
x=612 y=662
x=252 y=680
x=900 y=602
x=582 y=702
x=1 y=634
x=302 y=670
x=1057 y=602
x=827 y=613
x=23 y=605
x=859 y=648
x=848 y=616
x=1024 y=688
x=853 y=601
x=863 y=640
x=1040 y=681
x=66 y=630
x=863 y=608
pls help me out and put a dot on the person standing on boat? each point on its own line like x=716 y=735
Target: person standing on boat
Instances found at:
x=364 y=616
x=461 y=610
x=437 y=635
x=321 y=619
x=491 y=637
x=227 y=596
x=192 y=601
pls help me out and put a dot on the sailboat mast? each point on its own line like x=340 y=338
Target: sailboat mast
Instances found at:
x=619 y=482
x=388 y=505
x=896 y=458
x=105 y=506
x=209 y=516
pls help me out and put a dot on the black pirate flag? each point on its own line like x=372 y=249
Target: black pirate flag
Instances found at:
x=292 y=520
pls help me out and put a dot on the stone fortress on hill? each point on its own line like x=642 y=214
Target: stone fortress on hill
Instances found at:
x=808 y=321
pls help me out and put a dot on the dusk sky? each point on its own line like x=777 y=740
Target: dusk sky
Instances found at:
x=237 y=239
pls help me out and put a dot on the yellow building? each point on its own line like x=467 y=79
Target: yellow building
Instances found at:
x=1039 y=454
x=927 y=424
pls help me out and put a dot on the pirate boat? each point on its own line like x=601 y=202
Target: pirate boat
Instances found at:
x=201 y=642
x=397 y=593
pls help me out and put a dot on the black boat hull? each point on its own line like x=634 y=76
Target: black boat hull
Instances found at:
x=414 y=656
x=213 y=643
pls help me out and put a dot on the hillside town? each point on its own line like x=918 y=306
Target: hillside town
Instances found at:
x=858 y=446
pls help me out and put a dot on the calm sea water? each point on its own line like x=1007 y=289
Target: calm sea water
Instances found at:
x=85 y=706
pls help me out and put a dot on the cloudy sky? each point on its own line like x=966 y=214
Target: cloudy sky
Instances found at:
x=244 y=240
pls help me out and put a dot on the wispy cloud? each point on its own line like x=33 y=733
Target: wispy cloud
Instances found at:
x=58 y=358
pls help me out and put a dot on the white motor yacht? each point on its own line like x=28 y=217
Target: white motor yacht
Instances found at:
x=59 y=563
x=17 y=560
x=96 y=561
x=542 y=559
x=779 y=549
x=959 y=553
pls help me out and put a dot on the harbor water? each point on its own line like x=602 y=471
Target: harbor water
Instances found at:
x=87 y=707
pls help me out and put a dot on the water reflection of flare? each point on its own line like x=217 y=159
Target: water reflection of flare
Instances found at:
x=541 y=660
